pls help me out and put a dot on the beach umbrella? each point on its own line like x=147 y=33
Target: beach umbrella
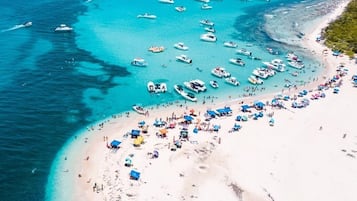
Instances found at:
x=188 y=118
x=195 y=130
x=244 y=118
x=216 y=127
x=134 y=174
x=163 y=131
x=141 y=123
x=192 y=111
x=155 y=154
x=259 y=105
x=211 y=113
x=135 y=133
x=238 y=118
x=245 y=108
x=237 y=127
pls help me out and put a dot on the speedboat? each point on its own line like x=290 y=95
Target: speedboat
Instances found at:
x=63 y=28
x=180 y=8
x=167 y=1
x=156 y=87
x=210 y=29
x=209 y=37
x=189 y=96
x=214 y=84
x=255 y=80
x=147 y=16
x=27 y=24
x=296 y=64
x=205 y=6
x=191 y=86
x=230 y=44
x=220 y=72
x=156 y=49
x=206 y=22
x=275 y=64
x=237 y=61
x=139 y=109
x=184 y=58
x=244 y=52
x=291 y=56
x=180 y=46
x=204 y=1
x=232 y=81
x=139 y=62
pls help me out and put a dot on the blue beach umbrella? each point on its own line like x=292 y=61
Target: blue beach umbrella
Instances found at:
x=188 y=118
x=245 y=108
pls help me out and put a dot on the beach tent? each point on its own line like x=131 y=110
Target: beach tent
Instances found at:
x=128 y=162
x=134 y=174
x=188 y=118
x=115 y=144
x=211 y=113
x=245 y=108
x=135 y=133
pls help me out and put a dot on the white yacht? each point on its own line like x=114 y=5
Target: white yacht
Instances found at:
x=63 y=28
x=244 y=52
x=205 y=6
x=147 y=16
x=220 y=72
x=27 y=24
x=208 y=37
x=139 y=62
x=180 y=46
x=255 y=80
x=230 y=44
x=187 y=95
x=180 y=8
x=296 y=64
x=275 y=64
x=237 y=61
x=195 y=85
x=156 y=87
x=207 y=22
x=291 y=56
x=204 y=1
x=184 y=58
x=139 y=109
x=167 y=1
x=232 y=81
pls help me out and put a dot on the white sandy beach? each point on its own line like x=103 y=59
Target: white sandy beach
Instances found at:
x=309 y=154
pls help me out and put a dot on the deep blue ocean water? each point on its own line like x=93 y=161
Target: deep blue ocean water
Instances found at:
x=55 y=84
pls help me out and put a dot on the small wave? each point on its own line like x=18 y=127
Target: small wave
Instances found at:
x=19 y=26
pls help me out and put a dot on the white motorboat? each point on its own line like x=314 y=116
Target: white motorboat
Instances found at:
x=291 y=56
x=255 y=80
x=230 y=44
x=263 y=72
x=187 y=95
x=244 y=52
x=147 y=16
x=180 y=8
x=139 y=62
x=296 y=64
x=205 y=6
x=156 y=87
x=208 y=37
x=210 y=29
x=275 y=64
x=237 y=61
x=63 y=28
x=232 y=81
x=220 y=72
x=204 y=1
x=156 y=49
x=139 y=109
x=180 y=46
x=207 y=22
x=196 y=85
x=214 y=84
x=167 y=1
x=184 y=58
x=27 y=24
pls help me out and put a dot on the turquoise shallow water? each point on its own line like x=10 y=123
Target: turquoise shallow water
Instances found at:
x=54 y=85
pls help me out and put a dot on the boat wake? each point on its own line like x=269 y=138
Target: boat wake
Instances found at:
x=18 y=26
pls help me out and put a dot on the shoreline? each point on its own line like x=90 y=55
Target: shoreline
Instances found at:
x=99 y=166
